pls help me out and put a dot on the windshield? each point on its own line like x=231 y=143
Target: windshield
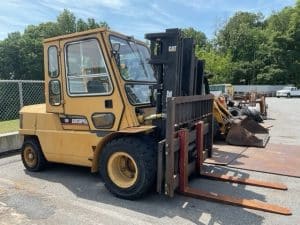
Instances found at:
x=138 y=93
x=135 y=69
x=134 y=58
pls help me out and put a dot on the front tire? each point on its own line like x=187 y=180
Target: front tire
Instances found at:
x=128 y=166
x=32 y=156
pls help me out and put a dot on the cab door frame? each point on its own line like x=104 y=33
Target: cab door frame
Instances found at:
x=53 y=108
x=87 y=105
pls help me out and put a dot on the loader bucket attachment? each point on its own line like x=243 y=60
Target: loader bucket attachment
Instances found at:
x=247 y=132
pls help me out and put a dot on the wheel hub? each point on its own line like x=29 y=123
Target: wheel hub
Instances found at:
x=122 y=169
x=30 y=156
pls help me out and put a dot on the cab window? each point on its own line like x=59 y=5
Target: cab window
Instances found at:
x=52 y=62
x=86 y=70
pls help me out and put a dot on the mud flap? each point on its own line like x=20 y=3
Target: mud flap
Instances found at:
x=247 y=132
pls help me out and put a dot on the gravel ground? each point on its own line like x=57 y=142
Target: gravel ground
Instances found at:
x=71 y=195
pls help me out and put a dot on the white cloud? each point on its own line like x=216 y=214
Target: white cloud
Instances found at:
x=202 y=4
x=84 y=5
x=12 y=21
x=139 y=29
x=233 y=5
x=114 y=4
x=130 y=16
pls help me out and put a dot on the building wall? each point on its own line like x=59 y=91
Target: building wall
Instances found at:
x=270 y=90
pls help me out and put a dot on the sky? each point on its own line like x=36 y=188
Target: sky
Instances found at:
x=134 y=17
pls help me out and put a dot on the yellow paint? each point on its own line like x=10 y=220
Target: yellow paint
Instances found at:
x=222 y=116
x=81 y=144
x=122 y=169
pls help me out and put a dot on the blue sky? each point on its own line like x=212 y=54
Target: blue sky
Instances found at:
x=134 y=17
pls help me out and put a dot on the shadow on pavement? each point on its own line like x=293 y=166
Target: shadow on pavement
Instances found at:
x=89 y=186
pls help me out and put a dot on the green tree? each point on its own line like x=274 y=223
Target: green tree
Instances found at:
x=241 y=36
x=281 y=53
x=294 y=45
x=199 y=37
x=11 y=64
x=92 y=23
x=21 y=55
x=81 y=25
x=104 y=24
x=66 y=22
x=279 y=22
x=217 y=64
x=31 y=49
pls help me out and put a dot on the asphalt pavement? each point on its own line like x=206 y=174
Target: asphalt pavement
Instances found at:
x=64 y=194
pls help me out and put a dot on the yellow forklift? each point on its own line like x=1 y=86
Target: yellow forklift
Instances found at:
x=138 y=117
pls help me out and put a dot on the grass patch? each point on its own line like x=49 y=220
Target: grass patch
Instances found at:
x=9 y=126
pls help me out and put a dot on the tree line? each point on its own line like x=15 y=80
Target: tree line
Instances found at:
x=248 y=49
x=252 y=49
x=21 y=55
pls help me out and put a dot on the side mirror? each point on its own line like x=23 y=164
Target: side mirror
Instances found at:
x=115 y=52
x=116 y=47
x=153 y=95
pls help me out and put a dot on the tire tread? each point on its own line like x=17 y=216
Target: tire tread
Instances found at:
x=141 y=148
x=41 y=161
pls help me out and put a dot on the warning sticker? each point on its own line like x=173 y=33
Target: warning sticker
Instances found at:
x=172 y=48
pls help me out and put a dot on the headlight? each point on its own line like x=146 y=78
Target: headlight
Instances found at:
x=103 y=120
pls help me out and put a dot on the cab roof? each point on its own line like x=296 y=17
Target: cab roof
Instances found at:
x=83 y=33
x=76 y=34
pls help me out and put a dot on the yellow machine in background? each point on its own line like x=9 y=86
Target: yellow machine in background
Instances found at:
x=226 y=90
x=239 y=130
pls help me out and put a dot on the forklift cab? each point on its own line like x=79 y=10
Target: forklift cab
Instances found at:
x=97 y=79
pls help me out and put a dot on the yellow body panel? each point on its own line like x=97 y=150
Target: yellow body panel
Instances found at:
x=72 y=147
x=81 y=144
x=67 y=146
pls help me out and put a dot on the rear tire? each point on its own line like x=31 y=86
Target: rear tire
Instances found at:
x=32 y=156
x=253 y=114
x=128 y=166
x=235 y=112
